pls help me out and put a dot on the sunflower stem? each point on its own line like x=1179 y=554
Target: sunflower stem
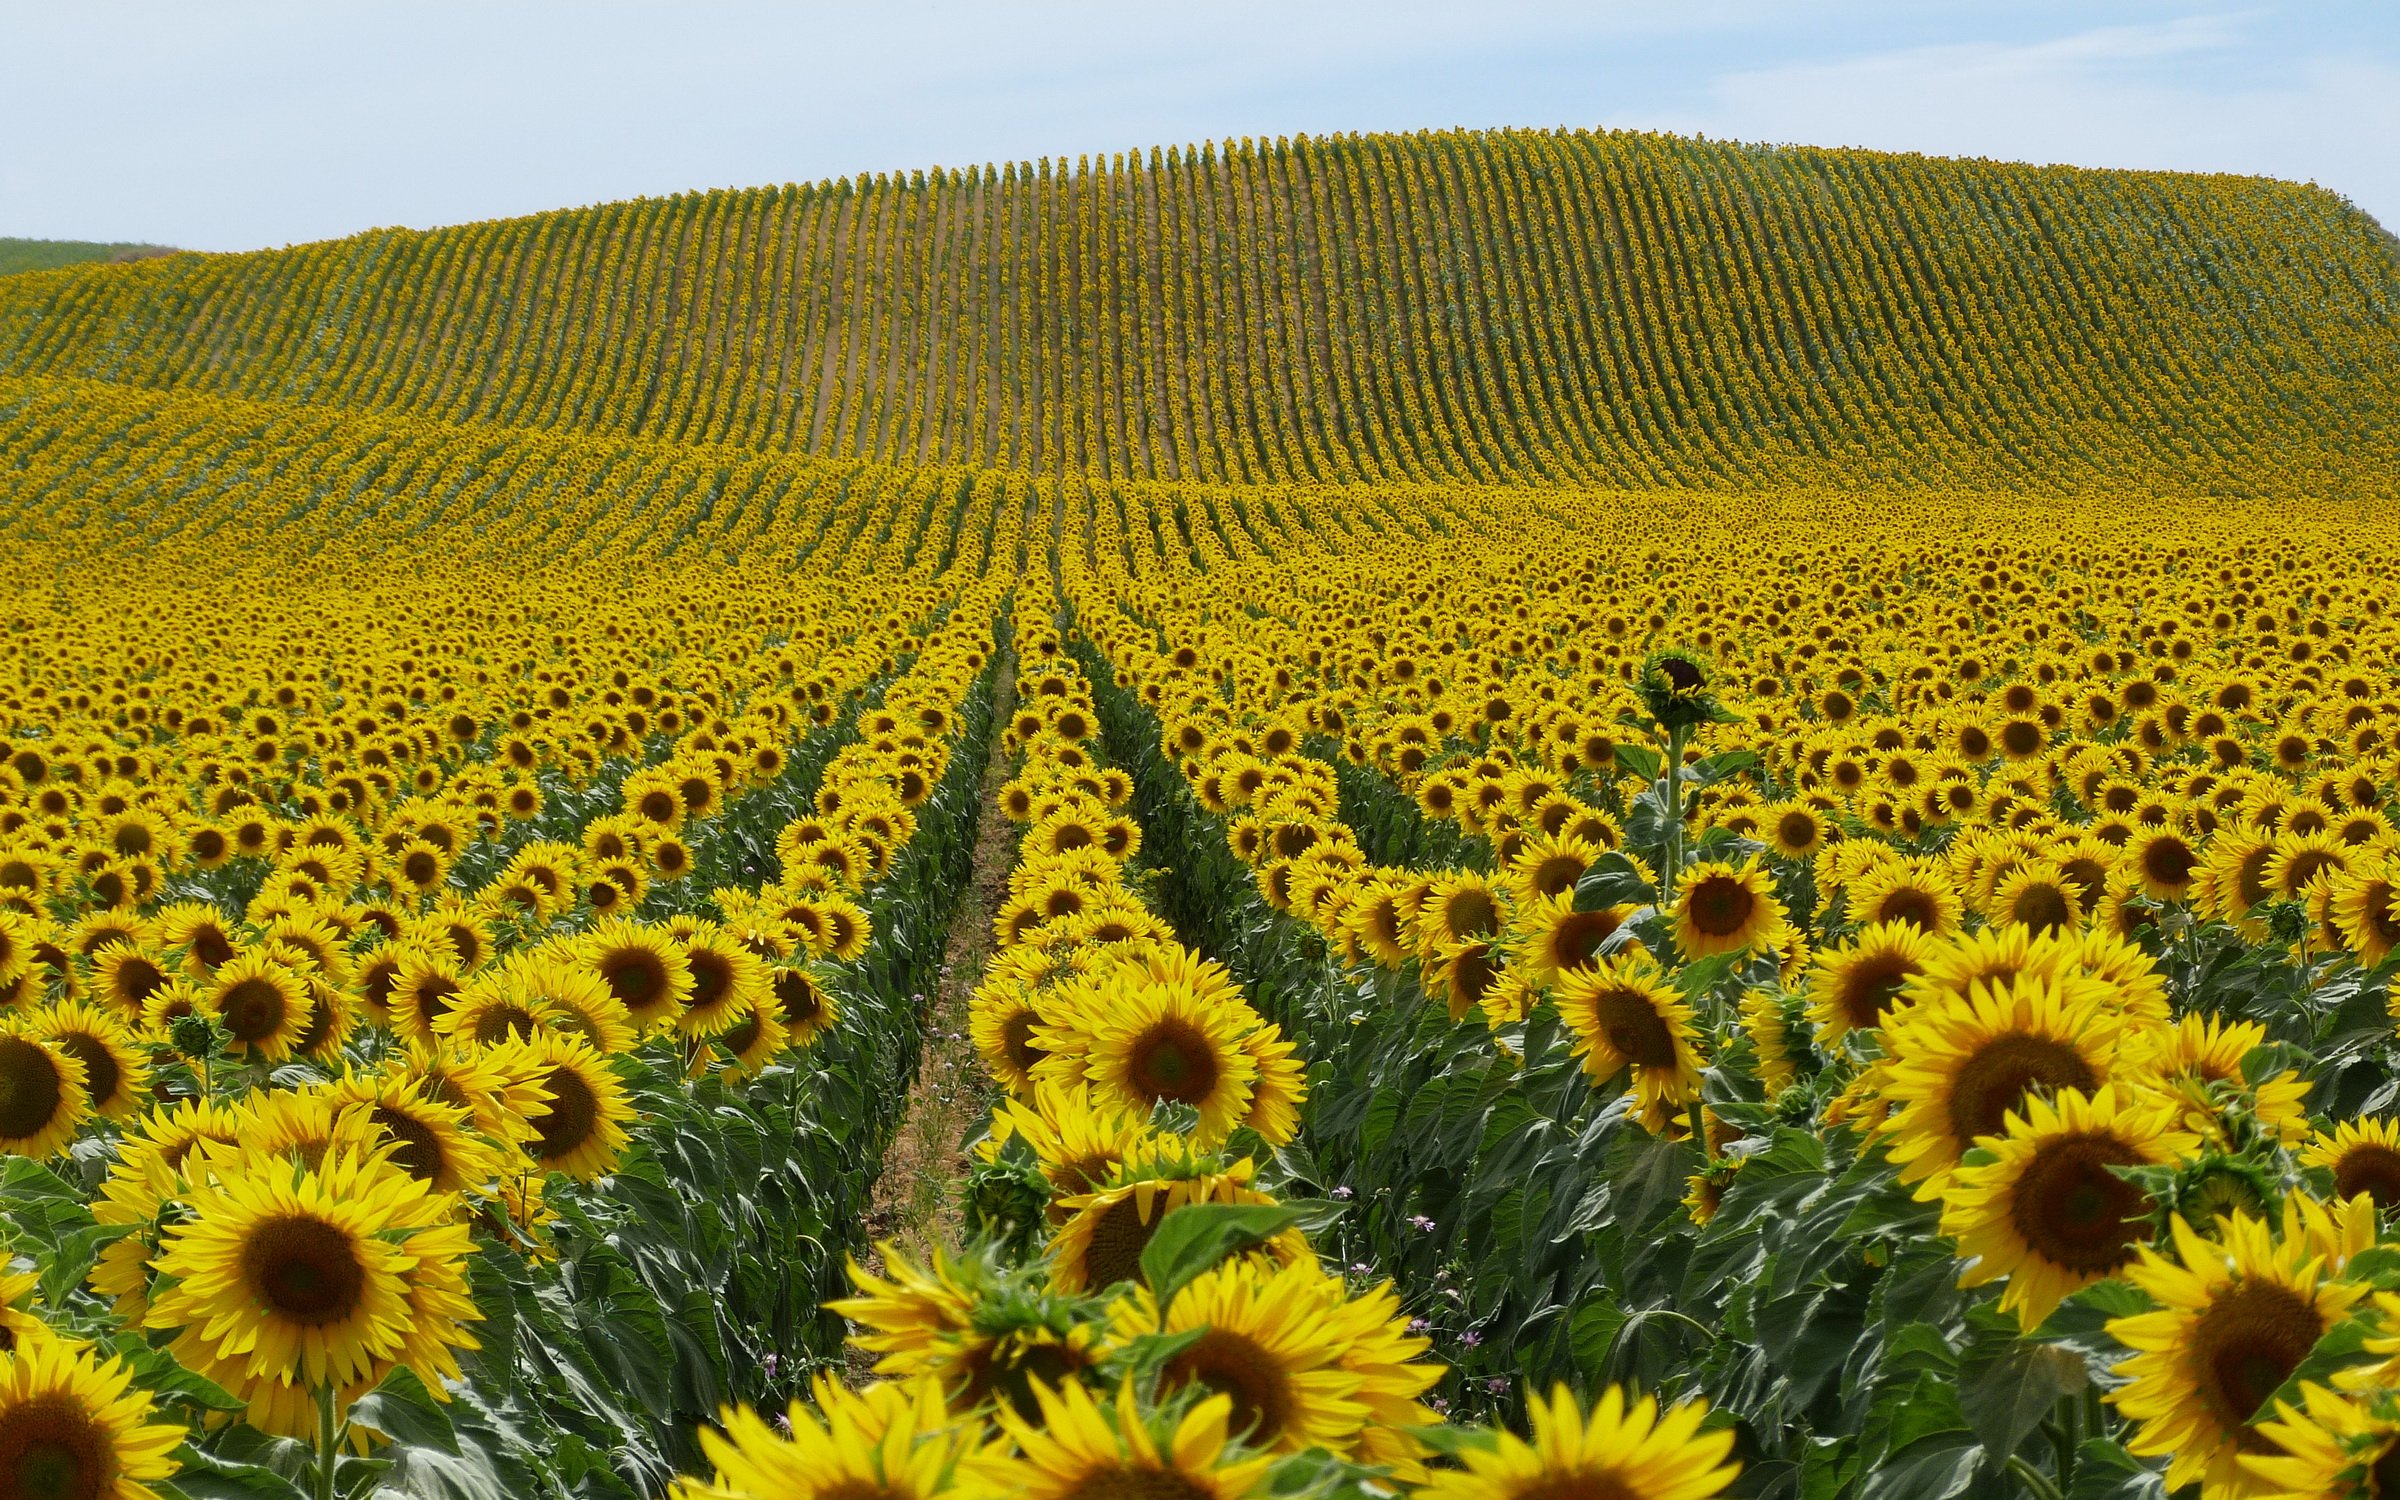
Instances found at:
x=1700 y=1134
x=325 y=1441
x=2035 y=1481
x=1671 y=780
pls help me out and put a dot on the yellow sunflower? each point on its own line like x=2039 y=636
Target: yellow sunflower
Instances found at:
x=1270 y=1340
x=1626 y=1014
x=727 y=981
x=263 y=1005
x=896 y=1441
x=1915 y=891
x=1957 y=1068
x=19 y=1325
x=2236 y=1316
x=579 y=1128
x=116 y=1070
x=1724 y=908
x=433 y=1142
x=1854 y=988
x=72 y=1426
x=281 y=1283
x=1157 y=1037
x=1074 y=1450
x=43 y=1097
x=1105 y=1232
x=2366 y=907
x=2330 y=1447
x=645 y=969
x=2045 y=1212
x=1624 y=1450
x=2363 y=1156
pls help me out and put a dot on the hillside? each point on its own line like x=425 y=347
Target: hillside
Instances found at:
x=1507 y=307
x=50 y=255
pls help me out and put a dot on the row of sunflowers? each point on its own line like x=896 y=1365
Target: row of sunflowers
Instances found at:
x=1139 y=1308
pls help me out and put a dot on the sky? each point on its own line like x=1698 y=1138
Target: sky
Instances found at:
x=237 y=124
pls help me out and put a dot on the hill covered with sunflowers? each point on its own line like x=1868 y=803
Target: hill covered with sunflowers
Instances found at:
x=1534 y=815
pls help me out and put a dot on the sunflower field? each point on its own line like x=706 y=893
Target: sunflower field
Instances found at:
x=1587 y=817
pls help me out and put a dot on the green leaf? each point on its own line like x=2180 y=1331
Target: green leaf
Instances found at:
x=2007 y=1385
x=1612 y=880
x=1709 y=770
x=1640 y=760
x=206 y=1477
x=405 y=1412
x=1196 y=1236
x=1934 y=1467
x=2105 y=1471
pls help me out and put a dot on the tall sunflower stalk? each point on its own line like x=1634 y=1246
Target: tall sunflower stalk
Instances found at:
x=1674 y=690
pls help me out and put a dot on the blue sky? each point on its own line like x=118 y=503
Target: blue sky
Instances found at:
x=230 y=124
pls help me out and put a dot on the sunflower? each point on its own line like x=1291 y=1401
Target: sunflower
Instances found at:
x=896 y=1441
x=1622 y=1450
x=755 y=1038
x=44 y=1098
x=2300 y=858
x=1001 y=1021
x=909 y=1310
x=2046 y=1212
x=19 y=1325
x=1768 y=1022
x=263 y=1005
x=494 y=1009
x=2329 y=1447
x=804 y=1006
x=1549 y=866
x=2236 y=1316
x=282 y=1283
x=1625 y=1014
x=1795 y=830
x=569 y=997
x=1461 y=905
x=1072 y=1449
x=1077 y=1144
x=2235 y=868
x=645 y=970
x=1549 y=937
x=1855 y=988
x=1915 y=891
x=425 y=987
x=2363 y=1156
x=1281 y=1086
x=2366 y=908
x=1722 y=908
x=431 y=1141
x=1157 y=1037
x=2164 y=861
x=1959 y=1067
x=116 y=1071
x=72 y=1426
x=126 y=975
x=728 y=981
x=1105 y=1232
x=2039 y=896
x=579 y=1128
x=1263 y=1340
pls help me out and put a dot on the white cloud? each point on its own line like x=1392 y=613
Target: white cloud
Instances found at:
x=2109 y=97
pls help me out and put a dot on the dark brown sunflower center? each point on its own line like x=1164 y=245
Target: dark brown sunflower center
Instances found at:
x=436 y=993
x=305 y=1270
x=1006 y=1368
x=1583 y=1484
x=1578 y=936
x=1633 y=1026
x=637 y=975
x=2042 y=906
x=1470 y=913
x=1118 y=1239
x=2304 y=867
x=1997 y=1075
x=138 y=979
x=2383 y=1475
x=416 y=1147
x=1557 y=873
x=1016 y=1038
x=798 y=996
x=2169 y=862
x=570 y=1118
x=2373 y=1170
x=1721 y=905
x=742 y=1037
x=1796 y=830
x=1471 y=974
x=502 y=1022
x=254 y=1010
x=1129 y=1483
x=1173 y=1059
x=712 y=977
x=1873 y=983
x=1907 y=903
x=2247 y=1343
x=1237 y=1367
x=31 y=1087
x=52 y=1449
x=101 y=1075
x=2072 y=1211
